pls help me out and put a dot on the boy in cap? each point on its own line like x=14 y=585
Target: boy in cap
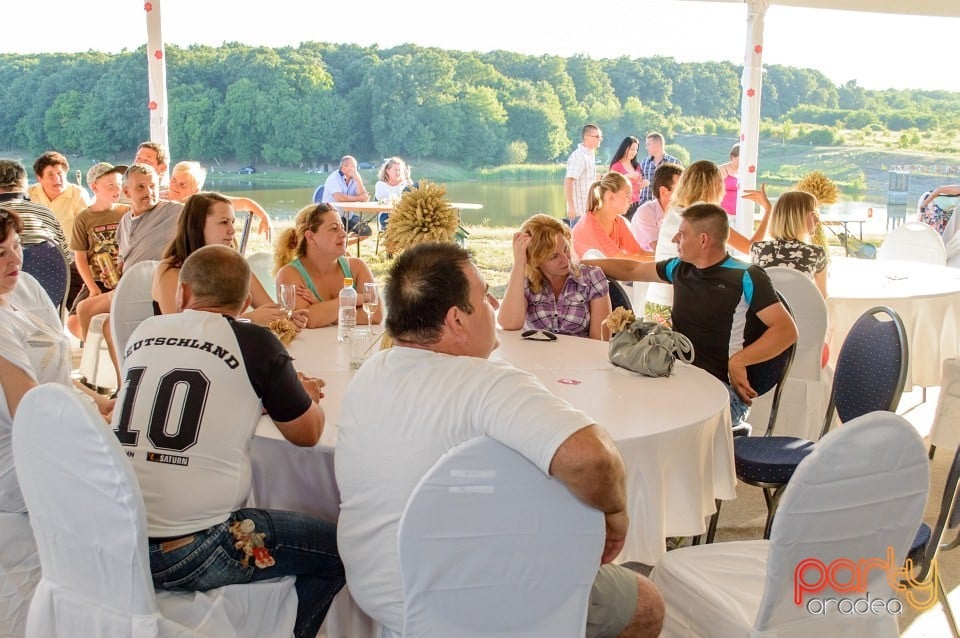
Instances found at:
x=94 y=242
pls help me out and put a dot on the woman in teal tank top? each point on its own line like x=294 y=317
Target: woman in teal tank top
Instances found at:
x=312 y=255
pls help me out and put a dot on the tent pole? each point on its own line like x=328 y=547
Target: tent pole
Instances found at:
x=751 y=85
x=156 y=78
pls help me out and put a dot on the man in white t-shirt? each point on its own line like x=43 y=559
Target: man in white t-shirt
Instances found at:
x=195 y=385
x=581 y=173
x=435 y=389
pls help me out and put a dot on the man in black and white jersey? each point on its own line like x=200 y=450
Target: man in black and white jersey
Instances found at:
x=728 y=308
x=195 y=384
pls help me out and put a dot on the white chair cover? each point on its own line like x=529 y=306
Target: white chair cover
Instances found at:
x=132 y=303
x=914 y=241
x=945 y=432
x=953 y=248
x=491 y=546
x=862 y=490
x=95 y=365
x=262 y=266
x=19 y=572
x=88 y=518
x=594 y=253
x=807 y=389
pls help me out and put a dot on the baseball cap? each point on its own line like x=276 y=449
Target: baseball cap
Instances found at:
x=103 y=168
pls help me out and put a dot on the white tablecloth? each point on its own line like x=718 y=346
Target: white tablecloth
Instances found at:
x=926 y=297
x=674 y=435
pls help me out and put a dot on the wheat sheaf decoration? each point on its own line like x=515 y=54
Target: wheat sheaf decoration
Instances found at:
x=423 y=214
x=820 y=186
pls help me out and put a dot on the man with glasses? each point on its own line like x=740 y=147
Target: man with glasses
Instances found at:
x=656 y=158
x=645 y=224
x=581 y=173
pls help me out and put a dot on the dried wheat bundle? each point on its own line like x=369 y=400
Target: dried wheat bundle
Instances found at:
x=423 y=214
x=820 y=186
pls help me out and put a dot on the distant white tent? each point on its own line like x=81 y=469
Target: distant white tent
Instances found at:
x=752 y=79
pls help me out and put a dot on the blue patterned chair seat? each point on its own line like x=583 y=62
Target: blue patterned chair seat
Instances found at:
x=769 y=459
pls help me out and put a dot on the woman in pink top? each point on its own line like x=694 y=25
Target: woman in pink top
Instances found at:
x=603 y=228
x=731 y=183
x=625 y=162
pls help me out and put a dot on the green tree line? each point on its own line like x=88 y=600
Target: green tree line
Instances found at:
x=299 y=106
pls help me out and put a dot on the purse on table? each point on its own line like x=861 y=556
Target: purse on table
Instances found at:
x=649 y=348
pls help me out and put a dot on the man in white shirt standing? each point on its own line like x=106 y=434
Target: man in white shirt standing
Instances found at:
x=581 y=173
x=435 y=389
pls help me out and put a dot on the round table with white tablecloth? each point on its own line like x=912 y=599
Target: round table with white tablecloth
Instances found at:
x=673 y=433
x=926 y=297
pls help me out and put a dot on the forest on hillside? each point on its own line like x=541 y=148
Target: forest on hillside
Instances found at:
x=300 y=106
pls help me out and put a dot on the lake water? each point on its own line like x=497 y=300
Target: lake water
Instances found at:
x=504 y=203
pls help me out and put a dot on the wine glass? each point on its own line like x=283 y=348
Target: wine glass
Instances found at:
x=371 y=299
x=288 y=298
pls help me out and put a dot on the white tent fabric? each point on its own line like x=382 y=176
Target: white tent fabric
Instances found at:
x=752 y=78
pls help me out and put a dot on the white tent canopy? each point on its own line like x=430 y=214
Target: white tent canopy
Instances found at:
x=752 y=79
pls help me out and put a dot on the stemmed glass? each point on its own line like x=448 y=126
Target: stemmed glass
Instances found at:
x=288 y=298
x=371 y=299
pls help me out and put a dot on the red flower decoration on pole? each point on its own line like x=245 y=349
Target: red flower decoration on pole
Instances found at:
x=752 y=168
x=742 y=137
x=158 y=54
x=758 y=49
x=148 y=6
x=153 y=105
x=751 y=92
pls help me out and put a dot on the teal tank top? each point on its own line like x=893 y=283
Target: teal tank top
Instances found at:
x=344 y=268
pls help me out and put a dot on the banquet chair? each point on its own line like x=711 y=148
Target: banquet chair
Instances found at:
x=132 y=303
x=618 y=295
x=945 y=431
x=805 y=393
x=768 y=378
x=861 y=492
x=47 y=264
x=88 y=517
x=514 y=553
x=953 y=251
x=19 y=572
x=914 y=241
x=870 y=374
x=928 y=543
x=318 y=194
x=262 y=266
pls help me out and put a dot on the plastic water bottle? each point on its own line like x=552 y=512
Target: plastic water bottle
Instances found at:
x=347 y=318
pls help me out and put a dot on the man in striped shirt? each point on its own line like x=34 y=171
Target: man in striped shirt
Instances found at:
x=39 y=222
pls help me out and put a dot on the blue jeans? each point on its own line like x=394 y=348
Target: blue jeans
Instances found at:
x=738 y=409
x=302 y=546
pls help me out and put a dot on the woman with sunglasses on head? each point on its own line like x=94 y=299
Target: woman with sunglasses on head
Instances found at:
x=313 y=256
x=547 y=289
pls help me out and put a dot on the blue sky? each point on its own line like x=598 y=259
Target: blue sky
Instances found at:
x=878 y=50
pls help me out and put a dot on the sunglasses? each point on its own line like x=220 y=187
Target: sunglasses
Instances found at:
x=538 y=335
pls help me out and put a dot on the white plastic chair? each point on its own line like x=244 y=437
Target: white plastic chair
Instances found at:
x=89 y=521
x=262 y=266
x=913 y=241
x=19 y=572
x=945 y=431
x=953 y=251
x=491 y=546
x=132 y=303
x=861 y=491
x=807 y=389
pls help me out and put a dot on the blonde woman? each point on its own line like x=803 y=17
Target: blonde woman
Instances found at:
x=393 y=178
x=793 y=226
x=548 y=289
x=313 y=256
x=188 y=178
x=604 y=228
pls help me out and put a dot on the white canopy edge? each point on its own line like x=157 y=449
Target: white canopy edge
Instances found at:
x=945 y=8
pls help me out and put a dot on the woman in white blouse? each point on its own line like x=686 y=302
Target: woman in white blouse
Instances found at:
x=33 y=349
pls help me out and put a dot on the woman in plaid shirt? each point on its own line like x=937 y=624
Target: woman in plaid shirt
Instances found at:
x=547 y=289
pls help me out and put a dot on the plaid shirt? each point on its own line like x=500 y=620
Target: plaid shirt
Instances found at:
x=570 y=313
x=648 y=167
